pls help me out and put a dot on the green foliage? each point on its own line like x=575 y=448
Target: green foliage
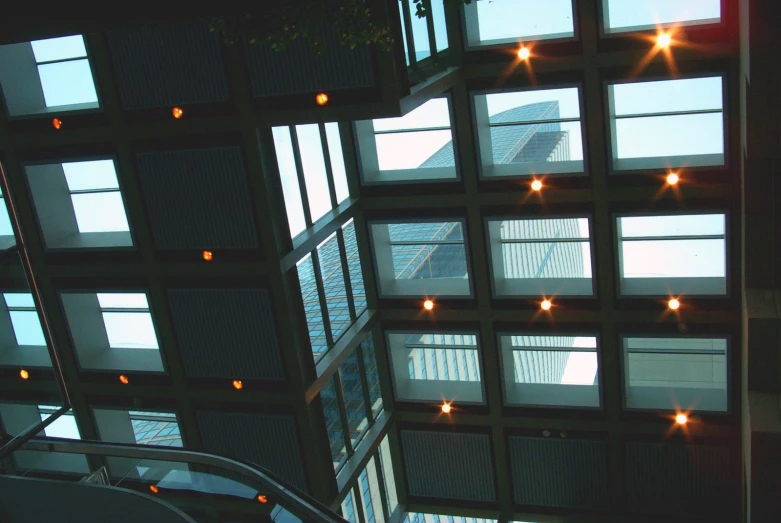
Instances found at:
x=289 y=20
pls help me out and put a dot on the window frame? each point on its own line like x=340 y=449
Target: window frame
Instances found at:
x=605 y=31
x=701 y=287
x=502 y=288
x=647 y=165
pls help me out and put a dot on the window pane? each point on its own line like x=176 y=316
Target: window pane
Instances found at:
x=425 y=231
x=63 y=427
x=531 y=106
x=354 y=264
x=6 y=229
x=27 y=328
x=85 y=176
x=311 y=300
x=623 y=15
x=332 y=275
x=287 y=174
x=365 y=489
x=419 y=34
x=374 y=491
x=547 y=260
x=355 y=406
x=676 y=225
x=432 y=114
x=135 y=300
x=62 y=48
x=349 y=510
x=523 y=19
x=130 y=330
x=100 y=212
x=337 y=161
x=429 y=261
x=440 y=24
x=66 y=83
x=671 y=258
x=691 y=94
x=550 y=142
x=423 y=149
x=333 y=423
x=372 y=377
x=313 y=162
x=164 y=433
x=387 y=471
x=19 y=299
x=555 y=367
x=559 y=229
x=660 y=136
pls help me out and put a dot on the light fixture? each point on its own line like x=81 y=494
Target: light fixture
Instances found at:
x=546 y=305
x=262 y=498
x=428 y=305
x=154 y=489
x=672 y=178
x=673 y=304
x=123 y=379
x=681 y=419
x=446 y=408
x=56 y=123
x=536 y=185
x=24 y=374
x=524 y=53
x=663 y=40
x=177 y=112
x=207 y=255
x=321 y=99
x=238 y=385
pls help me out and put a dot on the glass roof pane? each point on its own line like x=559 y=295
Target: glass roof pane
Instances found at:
x=671 y=258
x=27 y=328
x=100 y=212
x=374 y=491
x=547 y=260
x=124 y=300
x=333 y=284
x=555 y=367
x=333 y=422
x=679 y=135
x=386 y=464
x=639 y=14
x=162 y=433
x=558 y=228
x=524 y=19
x=372 y=376
x=421 y=150
x=550 y=142
x=337 y=161
x=425 y=231
x=354 y=264
x=349 y=509
x=440 y=24
x=432 y=114
x=588 y=342
x=61 y=48
x=311 y=300
x=6 y=229
x=287 y=174
x=368 y=507
x=690 y=94
x=676 y=225
x=531 y=106
x=63 y=427
x=18 y=299
x=354 y=404
x=92 y=175
x=130 y=330
x=66 y=83
x=421 y=262
x=419 y=34
x=315 y=176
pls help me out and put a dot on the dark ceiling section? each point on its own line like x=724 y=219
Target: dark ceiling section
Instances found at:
x=226 y=333
x=197 y=199
x=167 y=64
x=559 y=473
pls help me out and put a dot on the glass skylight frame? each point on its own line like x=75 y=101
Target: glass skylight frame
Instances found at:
x=450 y=356
x=667 y=287
x=550 y=395
x=391 y=287
x=504 y=287
x=675 y=399
x=472 y=39
x=368 y=150
x=711 y=161
x=483 y=134
x=606 y=30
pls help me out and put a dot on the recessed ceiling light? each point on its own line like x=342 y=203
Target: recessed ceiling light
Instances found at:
x=24 y=374
x=524 y=53
x=672 y=178
x=681 y=419
x=536 y=185
x=446 y=408
x=663 y=40
x=428 y=305
x=546 y=305
x=673 y=304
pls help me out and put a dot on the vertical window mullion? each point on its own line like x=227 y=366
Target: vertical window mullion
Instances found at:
x=329 y=338
x=407 y=23
x=348 y=441
x=367 y=402
x=329 y=173
x=381 y=484
x=348 y=284
x=432 y=39
x=300 y=175
x=358 y=501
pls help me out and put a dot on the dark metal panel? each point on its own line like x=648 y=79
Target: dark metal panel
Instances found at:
x=167 y=64
x=226 y=333
x=448 y=465
x=197 y=199
x=565 y=473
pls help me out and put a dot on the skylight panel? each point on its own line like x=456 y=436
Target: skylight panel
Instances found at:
x=100 y=212
x=676 y=373
x=638 y=15
x=311 y=300
x=510 y=21
x=130 y=330
x=63 y=427
x=313 y=163
x=354 y=265
x=90 y=176
x=136 y=300
x=6 y=229
x=56 y=49
x=332 y=275
x=337 y=161
x=18 y=299
x=353 y=392
x=24 y=319
x=333 y=423
x=287 y=174
x=67 y=83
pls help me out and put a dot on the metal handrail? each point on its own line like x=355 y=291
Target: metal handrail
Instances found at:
x=272 y=484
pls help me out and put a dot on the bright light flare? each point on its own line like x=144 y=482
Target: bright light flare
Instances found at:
x=238 y=385
x=672 y=178
x=524 y=53
x=24 y=374
x=428 y=305
x=177 y=112
x=446 y=408
x=673 y=304
x=207 y=255
x=123 y=379
x=681 y=419
x=663 y=40
x=546 y=305
x=536 y=185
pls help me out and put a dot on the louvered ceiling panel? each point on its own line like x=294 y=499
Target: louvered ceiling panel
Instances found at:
x=227 y=333
x=448 y=465
x=198 y=199
x=565 y=473
x=167 y=64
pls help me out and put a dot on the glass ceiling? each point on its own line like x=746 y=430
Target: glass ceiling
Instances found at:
x=510 y=21
x=637 y=15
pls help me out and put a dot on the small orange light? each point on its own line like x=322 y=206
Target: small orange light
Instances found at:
x=536 y=185
x=56 y=123
x=154 y=489
x=238 y=385
x=321 y=98
x=262 y=498
x=428 y=305
x=524 y=53
x=674 y=304
x=207 y=255
x=672 y=178
x=446 y=408
x=681 y=419
x=546 y=305
x=177 y=112
x=123 y=379
x=24 y=374
x=663 y=40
